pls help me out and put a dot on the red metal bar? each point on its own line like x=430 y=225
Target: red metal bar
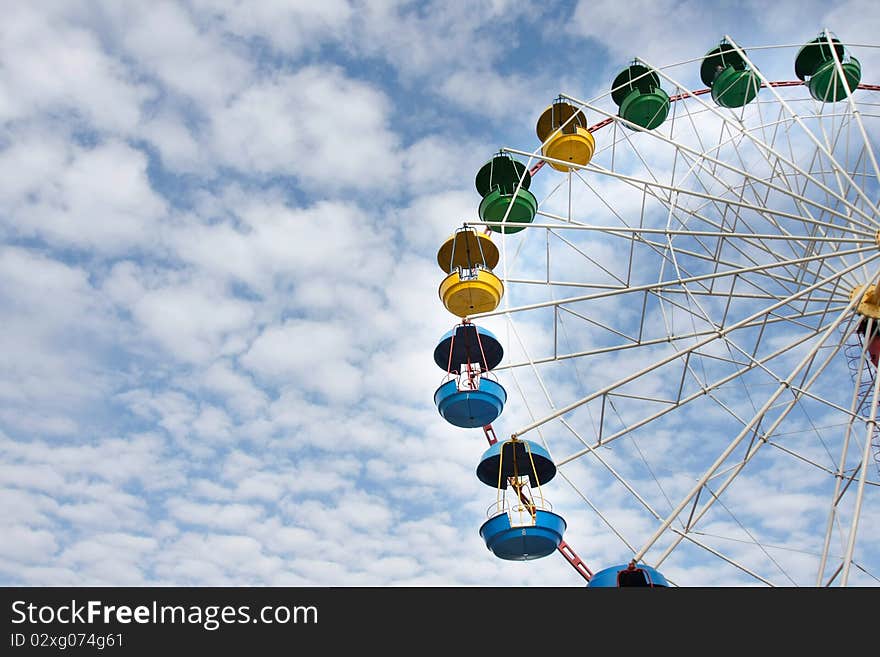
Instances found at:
x=572 y=558
x=451 y=347
x=700 y=92
x=490 y=434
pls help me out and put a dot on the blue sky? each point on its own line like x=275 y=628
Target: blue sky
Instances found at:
x=220 y=222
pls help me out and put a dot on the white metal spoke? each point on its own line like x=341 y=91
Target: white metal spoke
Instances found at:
x=863 y=229
x=736 y=441
x=871 y=218
x=653 y=342
x=831 y=159
x=685 y=281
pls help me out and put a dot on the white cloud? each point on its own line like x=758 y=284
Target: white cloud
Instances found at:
x=487 y=93
x=176 y=142
x=438 y=35
x=317 y=125
x=289 y=27
x=164 y=35
x=276 y=248
x=24 y=544
x=57 y=67
x=238 y=391
x=190 y=321
x=48 y=380
x=226 y=516
x=318 y=357
x=440 y=162
x=90 y=198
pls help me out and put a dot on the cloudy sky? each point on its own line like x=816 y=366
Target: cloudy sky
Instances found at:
x=219 y=304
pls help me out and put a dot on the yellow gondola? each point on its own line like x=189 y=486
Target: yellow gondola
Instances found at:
x=562 y=128
x=470 y=291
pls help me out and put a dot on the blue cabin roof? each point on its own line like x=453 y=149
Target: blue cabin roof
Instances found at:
x=623 y=576
x=515 y=451
x=466 y=348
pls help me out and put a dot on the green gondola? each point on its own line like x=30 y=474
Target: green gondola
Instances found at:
x=637 y=92
x=726 y=72
x=497 y=182
x=815 y=64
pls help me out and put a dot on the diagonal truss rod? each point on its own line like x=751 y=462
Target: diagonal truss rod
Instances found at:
x=623 y=482
x=747 y=430
x=702 y=277
x=739 y=218
x=736 y=127
x=660 y=248
x=854 y=110
x=720 y=334
x=626 y=231
x=664 y=340
x=866 y=229
x=698 y=162
x=623 y=289
x=704 y=390
x=841 y=466
x=818 y=143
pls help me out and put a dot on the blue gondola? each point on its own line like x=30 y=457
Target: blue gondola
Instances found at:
x=523 y=542
x=521 y=527
x=470 y=408
x=626 y=575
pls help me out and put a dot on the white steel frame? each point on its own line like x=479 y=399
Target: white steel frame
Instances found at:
x=760 y=237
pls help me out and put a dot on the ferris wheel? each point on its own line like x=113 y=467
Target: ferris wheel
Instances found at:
x=683 y=285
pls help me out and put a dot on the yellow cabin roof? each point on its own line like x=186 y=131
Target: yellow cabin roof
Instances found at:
x=467 y=248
